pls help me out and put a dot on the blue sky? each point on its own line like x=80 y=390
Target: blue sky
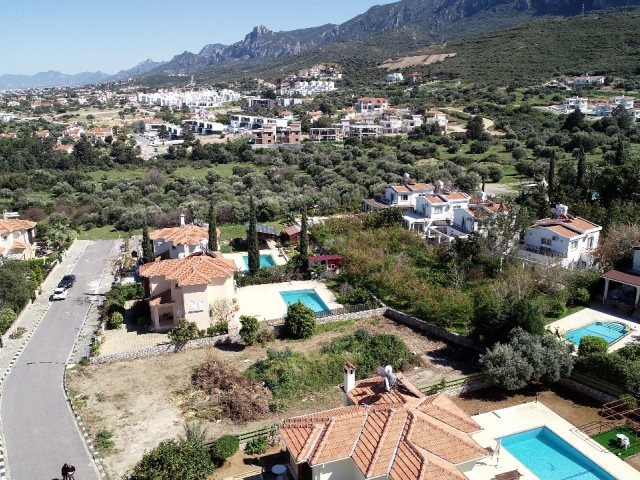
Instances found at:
x=110 y=35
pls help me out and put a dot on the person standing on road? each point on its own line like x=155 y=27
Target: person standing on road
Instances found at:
x=65 y=472
x=71 y=471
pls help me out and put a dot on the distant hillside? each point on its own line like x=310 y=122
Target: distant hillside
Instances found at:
x=49 y=79
x=605 y=43
x=442 y=19
x=608 y=44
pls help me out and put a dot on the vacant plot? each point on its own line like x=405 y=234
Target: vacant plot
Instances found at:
x=145 y=401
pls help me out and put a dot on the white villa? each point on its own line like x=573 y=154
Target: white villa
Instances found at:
x=563 y=240
x=383 y=432
x=16 y=237
x=436 y=117
x=576 y=103
x=404 y=196
x=186 y=287
x=182 y=241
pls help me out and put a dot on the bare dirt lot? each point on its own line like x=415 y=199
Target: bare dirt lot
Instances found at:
x=141 y=401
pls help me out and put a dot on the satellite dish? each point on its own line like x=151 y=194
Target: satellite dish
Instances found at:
x=390 y=379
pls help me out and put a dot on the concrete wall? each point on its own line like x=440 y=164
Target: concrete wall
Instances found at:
x=340 y=470
x=588 y=391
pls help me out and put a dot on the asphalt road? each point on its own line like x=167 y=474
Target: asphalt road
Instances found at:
x=39 y=428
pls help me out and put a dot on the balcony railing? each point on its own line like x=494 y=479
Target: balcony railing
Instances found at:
x=545 y=251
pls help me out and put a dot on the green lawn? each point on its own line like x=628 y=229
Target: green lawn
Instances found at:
x=228 y=232
x=610 y=441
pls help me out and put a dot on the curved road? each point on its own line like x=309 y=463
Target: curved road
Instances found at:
x=39 y=429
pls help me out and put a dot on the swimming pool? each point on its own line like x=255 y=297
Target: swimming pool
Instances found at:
x=266 y=260
x=549 y=457
x=308 y=297
x=610 y=331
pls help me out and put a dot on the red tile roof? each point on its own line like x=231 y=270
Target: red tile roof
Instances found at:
x=577 y=224
x=623 y=277
x=292 y=230
x=196 y=269
x=321 y=258
x=8 y=226
x=400 y=433
x=563 y=231
x=186 y=235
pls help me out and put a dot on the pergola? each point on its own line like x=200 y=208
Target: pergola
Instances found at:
x=623 y=278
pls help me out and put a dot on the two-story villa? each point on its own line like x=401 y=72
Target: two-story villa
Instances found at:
x=563 y=240
x=186 y=287
x=16 y=237
x=434 y=208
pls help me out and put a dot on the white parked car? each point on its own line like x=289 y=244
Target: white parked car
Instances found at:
x=59 y=294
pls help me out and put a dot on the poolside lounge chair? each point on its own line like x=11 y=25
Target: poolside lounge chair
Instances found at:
x=512 y=475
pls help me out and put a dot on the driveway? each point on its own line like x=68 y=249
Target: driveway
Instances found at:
x=39 y=429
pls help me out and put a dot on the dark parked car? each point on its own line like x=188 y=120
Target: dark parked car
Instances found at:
x=67 y=281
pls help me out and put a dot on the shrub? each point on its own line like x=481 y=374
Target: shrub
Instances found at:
x=184 y=332
x=116 y=320
x=225 y=447
x=174 y=459
x=256 y=446
x=300 y=321
x=249 y=329
x=265 y=335
x=592 y=344
x=7 y=317
x=629 y=400
x=103 y=441
x=219 y=328
x=581 y=295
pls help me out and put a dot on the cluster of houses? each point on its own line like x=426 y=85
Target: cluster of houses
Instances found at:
x=189 y=98
x=306 y=88
x=444 y=216
x=601 y=108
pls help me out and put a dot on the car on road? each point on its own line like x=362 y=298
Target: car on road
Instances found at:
x=59 y=293
x=67 y=281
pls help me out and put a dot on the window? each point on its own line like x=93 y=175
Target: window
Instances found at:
x=590 y=242
x=437 y=209
x=195 y=306
x=404 y=197
x=545 y=241
x=574 y=244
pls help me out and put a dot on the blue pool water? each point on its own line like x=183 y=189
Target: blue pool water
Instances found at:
x=549 y=457
x=308 y=297
x=266 y=260
x=610 y=331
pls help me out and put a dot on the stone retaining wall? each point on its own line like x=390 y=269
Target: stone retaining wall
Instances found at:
x=334 y=318
x=165 y=349
x=588 y=391
x=422 y=326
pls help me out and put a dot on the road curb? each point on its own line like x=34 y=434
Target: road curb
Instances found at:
x=76 y=415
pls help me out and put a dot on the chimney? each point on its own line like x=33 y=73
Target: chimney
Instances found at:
x=349 y=382
x=182 y=219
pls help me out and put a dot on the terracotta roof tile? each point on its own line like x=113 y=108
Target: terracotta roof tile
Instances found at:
x=186 y=235
x=578 y=224
x=193 y=270
x=561 y=230
x=443 y=409
x=8 y=226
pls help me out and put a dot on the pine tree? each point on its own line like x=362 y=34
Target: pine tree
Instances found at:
x=252 y=240
x=213 y=229
x=581 y=157
x=303 y=247
x=147 y=246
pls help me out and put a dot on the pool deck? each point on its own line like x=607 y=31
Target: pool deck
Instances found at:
x=527 y=416
x=590 y=315
x=265 y=302
x=237 y=257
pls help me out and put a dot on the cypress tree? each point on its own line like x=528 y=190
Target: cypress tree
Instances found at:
x=581 y=157
x=303 y=247
x=551 y=179
x=213 y=229
x=253 y=250
x=147 y=246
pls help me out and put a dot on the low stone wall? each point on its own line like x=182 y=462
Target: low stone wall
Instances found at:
x=334 y=318
x=165 y=349
x=588 y=391
x=422 y=326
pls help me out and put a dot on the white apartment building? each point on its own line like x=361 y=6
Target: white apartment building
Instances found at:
x=305 y=89
x=575 y=103
x=192 y=98
x=249 y=122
